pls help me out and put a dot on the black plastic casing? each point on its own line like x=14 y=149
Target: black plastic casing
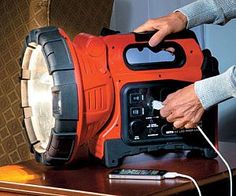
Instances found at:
x=60 y=66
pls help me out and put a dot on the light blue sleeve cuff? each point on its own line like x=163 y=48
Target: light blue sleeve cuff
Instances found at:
x=209 y=11
x=216 y=89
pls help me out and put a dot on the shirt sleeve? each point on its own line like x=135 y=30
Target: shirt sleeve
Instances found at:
x=216 y=89
x=209 y=11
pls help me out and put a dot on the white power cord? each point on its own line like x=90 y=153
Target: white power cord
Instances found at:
x=169 y=175
x=157 y=105
x=193 y=180
x=222 y=158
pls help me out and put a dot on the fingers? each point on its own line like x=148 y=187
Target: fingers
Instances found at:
x=147 y=26
x=181 y=115
x=174 y=116
x=179 y=124
x=170 y=49
x=165 y=25
x=154 y=25
x=157 y=37
x=190 y=125
x=164 y=112
x=184 y=121
x=168 y=106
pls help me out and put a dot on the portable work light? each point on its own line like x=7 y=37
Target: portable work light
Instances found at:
x=90 y=94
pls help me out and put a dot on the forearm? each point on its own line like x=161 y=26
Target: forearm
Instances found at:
x=209 y=11
x=216 y=89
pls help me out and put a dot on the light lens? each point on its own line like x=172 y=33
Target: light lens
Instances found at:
x=40 y=98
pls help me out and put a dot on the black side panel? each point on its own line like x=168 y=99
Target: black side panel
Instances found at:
x=210 y=65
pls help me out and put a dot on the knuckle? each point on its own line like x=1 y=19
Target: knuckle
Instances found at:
x=194 y=121
x=162 y=113
x=169 y=119
x=178 y=113
x=187 y=118
x=166 y=28
x=171 y=105
x=169 y=96
x=197 y=119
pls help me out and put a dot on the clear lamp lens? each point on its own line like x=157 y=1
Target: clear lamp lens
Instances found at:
x=40 y=98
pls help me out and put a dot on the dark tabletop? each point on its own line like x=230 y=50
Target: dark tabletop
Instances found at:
x=91 y=177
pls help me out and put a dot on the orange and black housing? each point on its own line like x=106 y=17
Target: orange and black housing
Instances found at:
x=106 y=101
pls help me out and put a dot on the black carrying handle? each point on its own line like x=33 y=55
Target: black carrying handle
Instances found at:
x=141 y=42
x=179 y=61
x=145 y=36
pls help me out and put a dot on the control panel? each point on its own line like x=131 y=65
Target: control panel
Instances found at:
x=142 y=123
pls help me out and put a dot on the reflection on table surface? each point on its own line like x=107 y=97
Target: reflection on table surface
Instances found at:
x=92 y=176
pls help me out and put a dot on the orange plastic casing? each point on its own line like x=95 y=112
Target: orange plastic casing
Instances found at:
x=101 y=72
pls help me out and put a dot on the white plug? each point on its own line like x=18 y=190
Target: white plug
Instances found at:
x=157 y=105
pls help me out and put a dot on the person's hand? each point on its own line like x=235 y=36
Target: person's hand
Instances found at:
x=183 y=108
x=164 y=26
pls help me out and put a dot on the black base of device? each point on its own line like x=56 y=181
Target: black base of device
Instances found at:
x=116 y=150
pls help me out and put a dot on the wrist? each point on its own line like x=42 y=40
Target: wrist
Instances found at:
x=182 y=18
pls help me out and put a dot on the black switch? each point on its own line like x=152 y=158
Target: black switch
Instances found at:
x=136 y=112
x=135 y=98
